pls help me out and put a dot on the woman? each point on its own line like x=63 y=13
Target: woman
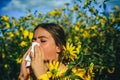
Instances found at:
x=51 y=39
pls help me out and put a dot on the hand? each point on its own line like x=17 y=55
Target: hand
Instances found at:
x=24 y=71
x=37 y=61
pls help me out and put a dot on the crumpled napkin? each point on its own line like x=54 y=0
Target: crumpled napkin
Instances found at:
x=28 y=59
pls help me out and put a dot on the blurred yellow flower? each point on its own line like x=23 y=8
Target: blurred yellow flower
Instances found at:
x=25 y=33
x=34 y=23
x=94 y=34
x=11 y=34
x=6 y=44
x=18 y=60
x=3 y=55
x=5 y=65
x=81 y=30
x=101 y=21
x=29 y=15
x=86 y=34
x=85 y=3
x=17 y=33
x=111 y=15
x=7 y=25
x=63 y=8
x=21 y=28
x=13 y=22
x=76 y=28
x=30 y=35
x=101 y=34
x=112 y=20
x=92 y=9
x=116 y=7
x=78 y=23
x=5 y=18
x=76 y=7
x=94 y=27
x=52 y=13
x=23 y=44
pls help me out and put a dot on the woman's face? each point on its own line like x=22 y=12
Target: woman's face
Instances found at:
x=46 y=41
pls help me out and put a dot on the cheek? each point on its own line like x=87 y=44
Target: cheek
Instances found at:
x=49 y=52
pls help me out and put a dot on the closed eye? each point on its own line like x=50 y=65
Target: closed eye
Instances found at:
x=42 y=41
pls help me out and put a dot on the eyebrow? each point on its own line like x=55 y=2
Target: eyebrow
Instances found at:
x=40 y=37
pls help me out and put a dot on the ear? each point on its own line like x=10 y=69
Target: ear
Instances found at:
x=58 y=49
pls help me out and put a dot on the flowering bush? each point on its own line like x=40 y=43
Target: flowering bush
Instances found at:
x=93 y=42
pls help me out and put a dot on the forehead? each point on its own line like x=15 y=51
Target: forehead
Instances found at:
x=41 y=32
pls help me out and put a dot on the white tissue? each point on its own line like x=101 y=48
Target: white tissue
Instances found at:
x=28 y=59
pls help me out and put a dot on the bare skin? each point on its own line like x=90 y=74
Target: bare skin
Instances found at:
x=47 y=50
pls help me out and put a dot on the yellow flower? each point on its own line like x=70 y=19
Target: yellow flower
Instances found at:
x=52 y=13
x=78 y=49
x=63 y=8
x=18 y=60
x=69 y=51
x=11 y=34
x=76 y=7
x=93 y=35
x=29 y=15
x=85 y=3
x=94 y=27
x=101 y=21
x=86 y=34
x=6 y=66
x=30 y=35
x=76 y=28
x=79 y=72
x=23 y=44
x=116 y=7
x=17 y=33
x=90 y=70
x=89 y=74
x=7 y=25
x=81 y=30
x=3 y=55
x=111 y=15
x=25 y=33
x=78 y=23
x=92 y=9
x=21 y=28
x=54 y=69
x=34 y=23
x=43 y=77
x=13 y=22
x=5 y=18
x=53 y=65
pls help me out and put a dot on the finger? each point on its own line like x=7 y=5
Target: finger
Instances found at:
x=42 y=53
x=37 y=52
